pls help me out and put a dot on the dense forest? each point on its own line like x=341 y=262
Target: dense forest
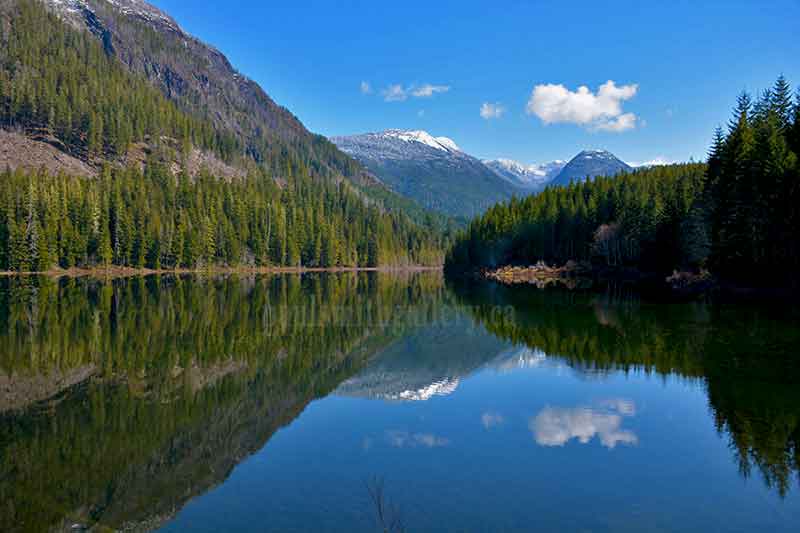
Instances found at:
x=150 y=219
x=62 y=83
x=293 y=209
x=736 y=215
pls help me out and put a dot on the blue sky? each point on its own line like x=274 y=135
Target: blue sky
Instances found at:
x=676 y=68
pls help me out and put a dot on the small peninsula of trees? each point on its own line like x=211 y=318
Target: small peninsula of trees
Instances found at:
x=738 y=215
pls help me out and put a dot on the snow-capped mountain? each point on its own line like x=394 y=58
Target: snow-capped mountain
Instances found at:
x=423 y=137
x=431 y=170
x=590 y=164
x=399 y=144
x=531 y=177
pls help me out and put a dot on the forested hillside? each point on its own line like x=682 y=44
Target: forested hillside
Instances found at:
x=62 y=85
x=637 y=218
x=738 y=215
x=129 y=218
x=289 y=205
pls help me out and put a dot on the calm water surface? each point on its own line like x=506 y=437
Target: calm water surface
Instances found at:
x=288 y=403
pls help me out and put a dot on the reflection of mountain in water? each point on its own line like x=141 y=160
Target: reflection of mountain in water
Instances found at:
x=426 y=363
x=432 y=362
x=121 y=401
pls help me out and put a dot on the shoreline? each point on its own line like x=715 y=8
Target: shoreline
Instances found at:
x=120 y=272
x=680 y=285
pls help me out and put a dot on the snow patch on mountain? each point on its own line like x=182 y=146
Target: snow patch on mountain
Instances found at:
x=420 y=136
x=144 y=10
x=69 y=9
x=526 y=176
x=406 y=145
x=589 y=164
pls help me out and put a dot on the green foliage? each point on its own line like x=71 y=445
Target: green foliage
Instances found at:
x=753 y=190
x=154 y=220
x=629 y=219
x=60 y=84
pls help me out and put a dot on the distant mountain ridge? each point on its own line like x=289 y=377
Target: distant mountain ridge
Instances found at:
x=431 y=170
x=436 y=173
x=533 y=178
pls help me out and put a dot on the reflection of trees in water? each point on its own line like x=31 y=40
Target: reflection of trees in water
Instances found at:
x=186 y=378
x=388 y=516
x=747 y=356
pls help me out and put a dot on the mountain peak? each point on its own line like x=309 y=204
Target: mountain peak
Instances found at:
x=595 y=153
x=590 y=164
x=421 y=136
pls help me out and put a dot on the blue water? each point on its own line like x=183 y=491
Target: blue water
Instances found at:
x=541 y=448
x=377 y=403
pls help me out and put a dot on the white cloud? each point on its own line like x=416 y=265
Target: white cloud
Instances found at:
x=490 y=111
x=623 y=122
x=490 y=420
x=398 y=93
x=394 y=93
x=428 y=90
x=601 y=111
x=555 y=426
x=366 y=88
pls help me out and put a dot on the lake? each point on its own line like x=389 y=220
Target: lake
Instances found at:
x=391 y=402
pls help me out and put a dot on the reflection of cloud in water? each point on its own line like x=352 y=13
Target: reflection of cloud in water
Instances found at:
x=555 y=426
x=490 y=420
x=404 y=439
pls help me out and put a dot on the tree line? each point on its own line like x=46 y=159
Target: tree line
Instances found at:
x=132 y=218
x=737 y=214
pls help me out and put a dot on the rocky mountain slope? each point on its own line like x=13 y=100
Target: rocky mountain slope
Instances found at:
x=431 y=170
x=590 y=164
x=196 y=76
